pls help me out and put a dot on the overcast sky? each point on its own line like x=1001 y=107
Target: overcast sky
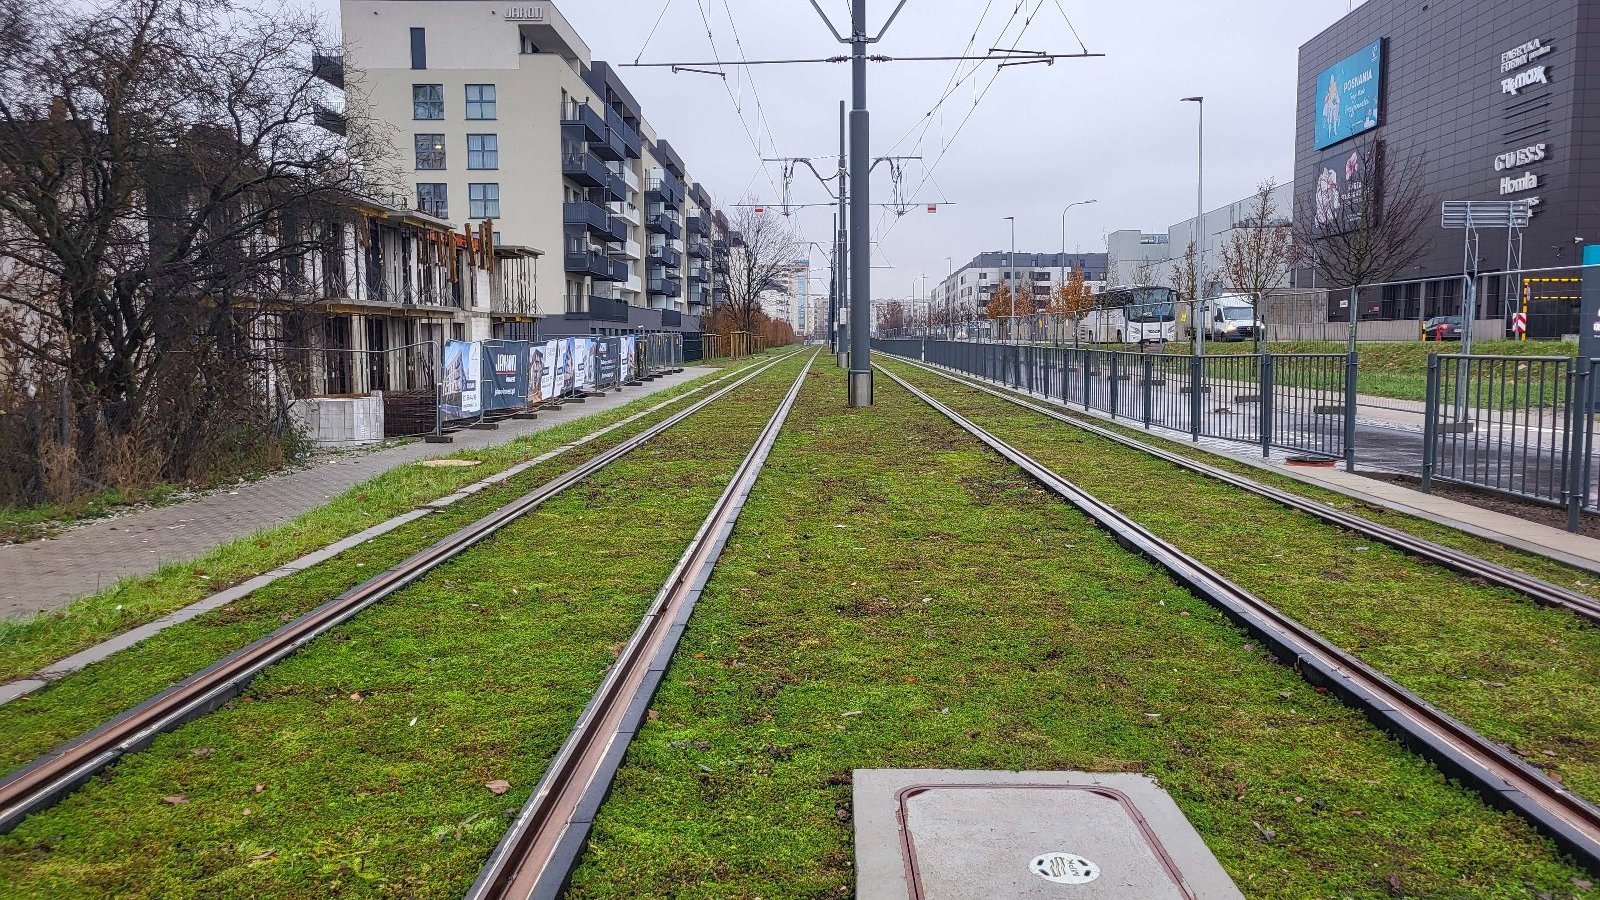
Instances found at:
x=1109 y=129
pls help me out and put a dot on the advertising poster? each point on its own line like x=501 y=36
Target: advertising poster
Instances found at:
x=535 y=374
x=1348 y=95
x=568 y=365
x=606 y=369
x=626 y=360
x=1342 y=189
x=583 y=366
x=505 y=375
x=462 y=367
x=551 y=377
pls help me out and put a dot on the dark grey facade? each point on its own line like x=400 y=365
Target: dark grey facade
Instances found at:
x=1460 y=102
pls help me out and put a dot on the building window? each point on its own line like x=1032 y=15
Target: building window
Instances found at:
x=434 y=199
x=480 y=101
x=430 y=151
x=427 y=101
x=419 y=48
x=483 y=151
x=483 y=201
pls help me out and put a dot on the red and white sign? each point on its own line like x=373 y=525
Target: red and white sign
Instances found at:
x=1519 y=323
x=933 y=207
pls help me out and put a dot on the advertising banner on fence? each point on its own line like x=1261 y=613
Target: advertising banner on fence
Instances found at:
x=505 y=374
x=626 y=359
x=536 y=392
x=566 y=366
x=583 y=367
x=606 y=369
x=461 y=397
x=550 y=381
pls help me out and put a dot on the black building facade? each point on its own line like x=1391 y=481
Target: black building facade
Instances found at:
x=1489 y=100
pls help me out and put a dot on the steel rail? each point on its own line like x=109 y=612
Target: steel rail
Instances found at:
x=51 y=777
x=1458 y=561
x=536 y=855
x=1502 y=779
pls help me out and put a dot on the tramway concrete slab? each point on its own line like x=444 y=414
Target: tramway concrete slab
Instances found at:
x=48 y=574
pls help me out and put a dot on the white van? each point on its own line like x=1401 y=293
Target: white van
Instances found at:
x=1231 y=317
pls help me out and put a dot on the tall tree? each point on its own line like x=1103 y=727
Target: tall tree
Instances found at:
x=162 y=179
x=891 y=317
x=1365 y=221
x=760 y=264
x=1259 y=254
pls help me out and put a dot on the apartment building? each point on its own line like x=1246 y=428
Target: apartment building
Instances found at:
x=498 y=113
x=967 y=290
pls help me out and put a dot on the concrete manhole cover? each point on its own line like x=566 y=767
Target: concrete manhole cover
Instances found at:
x=1064 y=868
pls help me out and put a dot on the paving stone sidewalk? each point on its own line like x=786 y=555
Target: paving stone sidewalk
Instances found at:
x=48 y=574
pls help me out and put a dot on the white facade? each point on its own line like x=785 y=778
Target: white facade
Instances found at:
x=967 y=290
x=497 y=111
x=1136 y=256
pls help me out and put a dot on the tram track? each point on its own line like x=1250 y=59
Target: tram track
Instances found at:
x=1540 y=591
x=56 y=774
x=536 y=856
x=1496 y=774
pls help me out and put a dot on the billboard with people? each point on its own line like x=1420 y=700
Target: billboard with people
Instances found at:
x=1349 y=94
x=460 y=395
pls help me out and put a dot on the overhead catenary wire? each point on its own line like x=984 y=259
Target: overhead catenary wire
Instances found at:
x=651 y=36
x=717 y=56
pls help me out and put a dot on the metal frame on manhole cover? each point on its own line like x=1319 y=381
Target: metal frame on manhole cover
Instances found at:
x=908 y=844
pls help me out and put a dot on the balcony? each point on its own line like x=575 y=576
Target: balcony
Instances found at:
x=631 y=250
x=663 y=223
x=698 y=225
x=699 y=272
x=329 y=67
x=582 y=123
x=666 y=287
x=666 y=256
x=698 y=296
x=608 y=309
x=590 y=262
x=328 y=119
x=578 y=164
x=631 y=179
x=664 y=189
x=699 y=248
x=596 y=219
x=627 y=212
x=624 y=134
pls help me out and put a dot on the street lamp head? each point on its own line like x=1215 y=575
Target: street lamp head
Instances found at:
x=1193 y=100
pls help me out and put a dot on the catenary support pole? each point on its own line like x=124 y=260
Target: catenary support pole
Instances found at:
x=841 y=233
x=860 y=390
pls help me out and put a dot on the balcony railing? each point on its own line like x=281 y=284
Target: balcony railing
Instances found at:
x=698 y=225
x=663 y=223
x=594 y=218
x=671 y=318
x=666 y=188
x=699 y=272
x=699 y=248
x=666 y=287
x=666 y=256
x=329 y=67
x=623 y=135
x=608 y=309
x=578 y=164
x=578 y=119
x=589 y=262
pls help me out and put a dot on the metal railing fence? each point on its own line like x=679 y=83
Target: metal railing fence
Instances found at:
x=1522 y=426
x=1294 y=402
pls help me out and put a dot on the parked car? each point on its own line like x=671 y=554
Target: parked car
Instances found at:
x=1443 y=328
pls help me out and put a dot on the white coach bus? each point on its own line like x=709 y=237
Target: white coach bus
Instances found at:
x=1131 y=315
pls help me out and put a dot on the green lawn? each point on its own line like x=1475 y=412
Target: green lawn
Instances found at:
x=897 y=597
x=30 y=643
x=359 y=767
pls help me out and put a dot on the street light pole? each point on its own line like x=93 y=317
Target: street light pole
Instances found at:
x=1062 y=260
x=1011 y=276
x=1199 y=228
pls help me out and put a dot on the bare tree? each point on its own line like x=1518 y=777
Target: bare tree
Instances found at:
x=891 y=317
x=162 y=181
x=1260 y=252
x=1144 y=274
x=1364 y=222
x=760 y=264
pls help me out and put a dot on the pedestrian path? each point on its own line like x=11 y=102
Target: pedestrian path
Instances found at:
x=48 y=574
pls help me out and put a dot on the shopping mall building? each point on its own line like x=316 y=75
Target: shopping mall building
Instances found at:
x=1486 y=100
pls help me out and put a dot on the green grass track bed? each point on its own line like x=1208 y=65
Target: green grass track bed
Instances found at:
x=897 y=596
x=30 y=643
x=33 y=724
x=1524 y=675
x=359 y=766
